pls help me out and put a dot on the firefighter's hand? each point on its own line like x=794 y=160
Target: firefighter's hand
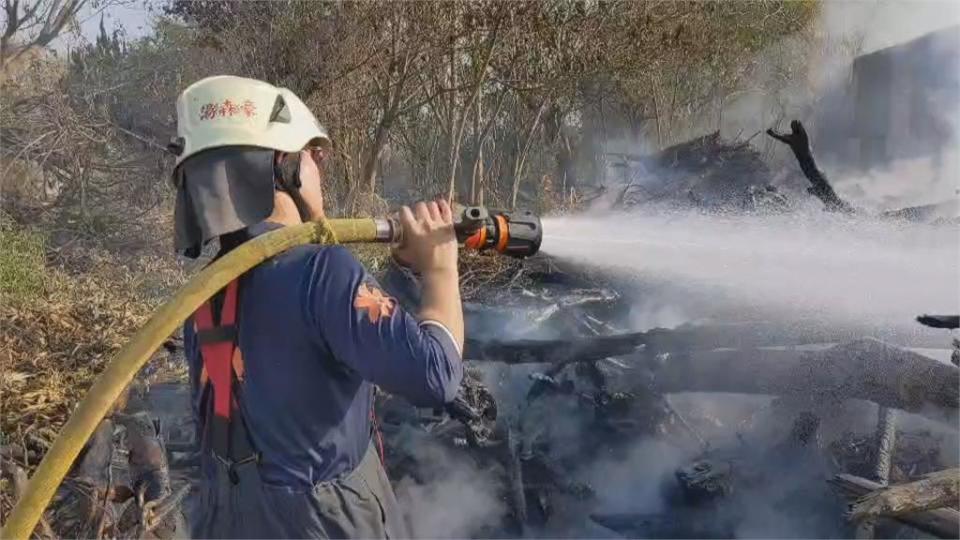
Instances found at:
x=429 y=243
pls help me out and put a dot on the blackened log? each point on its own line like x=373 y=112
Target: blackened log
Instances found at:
x=149 y=470
x=676 y=525
x=866 y=369
x=531 y=351
x=514 y=471
x=149 y=473
x=739 y=335
x=79 y=506
x=820 y=187
x=951 y=322
x=943 y=523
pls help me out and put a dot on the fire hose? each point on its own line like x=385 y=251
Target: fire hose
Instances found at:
x=517 y=234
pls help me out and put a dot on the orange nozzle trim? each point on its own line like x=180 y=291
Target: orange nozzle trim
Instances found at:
x=504 y=233
x=477 y=239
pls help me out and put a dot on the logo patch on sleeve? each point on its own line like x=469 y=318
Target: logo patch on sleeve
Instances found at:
x=374 y=302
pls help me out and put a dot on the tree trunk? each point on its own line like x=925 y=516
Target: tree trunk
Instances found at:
x=481 y=75
x=479 y=170
x=453 y=147
x=476 y=179
x=522 y=156
x=566 y=172
x=369 y=175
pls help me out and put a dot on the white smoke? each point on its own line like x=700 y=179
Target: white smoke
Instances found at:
x=455 y=498
x=932 y=174
x=878 y=24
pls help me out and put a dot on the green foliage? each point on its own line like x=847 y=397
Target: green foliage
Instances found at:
x=22 y=268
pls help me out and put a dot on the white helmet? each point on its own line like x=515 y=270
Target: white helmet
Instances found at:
x=236 y=111
x=228 y=129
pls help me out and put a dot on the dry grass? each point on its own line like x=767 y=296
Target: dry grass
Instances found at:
x=56 y=339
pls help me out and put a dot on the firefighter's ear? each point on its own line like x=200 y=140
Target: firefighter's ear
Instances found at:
x=286 y=171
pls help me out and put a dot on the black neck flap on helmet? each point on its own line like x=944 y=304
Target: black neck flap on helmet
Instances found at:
x=220 y=191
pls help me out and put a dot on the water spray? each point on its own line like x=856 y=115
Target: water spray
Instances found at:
x=827 y=266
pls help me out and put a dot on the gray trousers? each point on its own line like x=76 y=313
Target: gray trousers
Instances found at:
x=360 y=504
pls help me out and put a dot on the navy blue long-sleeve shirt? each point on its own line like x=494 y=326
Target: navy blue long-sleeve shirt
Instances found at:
x=317 y=332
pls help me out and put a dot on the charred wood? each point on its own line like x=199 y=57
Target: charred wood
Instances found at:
x=885 y=440
x=665 y=526
x=147 y=459
x=154 y=512
x=937 y=490
x=866 y=369
x=705 y=479
x=942 y=522
x=741 y=335
x=514 y=470
x=527 y=351
x=475 y=407
x=820 y=187
x=951 y=322
x=81 y=505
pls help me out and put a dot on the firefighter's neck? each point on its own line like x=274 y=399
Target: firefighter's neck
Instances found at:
x=284 y=210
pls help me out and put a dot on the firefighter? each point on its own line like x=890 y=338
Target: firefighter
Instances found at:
x=283 y=362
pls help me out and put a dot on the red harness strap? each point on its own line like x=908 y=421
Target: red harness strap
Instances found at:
x=217 y=347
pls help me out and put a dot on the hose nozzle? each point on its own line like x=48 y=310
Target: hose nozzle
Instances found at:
x=516 y=234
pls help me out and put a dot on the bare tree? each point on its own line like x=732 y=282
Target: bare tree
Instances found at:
x=32 y=25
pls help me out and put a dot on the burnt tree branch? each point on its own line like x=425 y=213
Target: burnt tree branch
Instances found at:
x=737 y=335
x=799 y=143
x=950 y=322
x=864 y=369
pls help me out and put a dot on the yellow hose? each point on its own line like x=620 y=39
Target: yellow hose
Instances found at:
x=166 y=320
